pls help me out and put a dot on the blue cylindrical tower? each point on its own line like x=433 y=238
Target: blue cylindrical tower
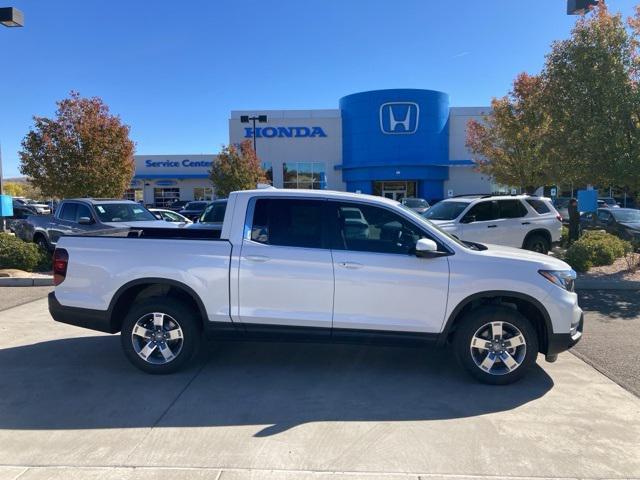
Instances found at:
x=395 y=141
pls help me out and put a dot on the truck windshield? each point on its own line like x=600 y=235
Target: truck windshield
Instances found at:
x=445 y=210
x=123 y=212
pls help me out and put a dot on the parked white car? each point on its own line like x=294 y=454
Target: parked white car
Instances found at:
x=288 y=265
x=520 y=221
x=169 y=216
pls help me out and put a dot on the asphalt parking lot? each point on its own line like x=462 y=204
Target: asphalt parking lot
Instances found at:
x=72 y=407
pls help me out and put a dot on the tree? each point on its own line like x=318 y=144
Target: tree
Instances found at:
x=83 y=151
x=591 y=95
x=14 y=189
x=236 y=169
x=509 y=144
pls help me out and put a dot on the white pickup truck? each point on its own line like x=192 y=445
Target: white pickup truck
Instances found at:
x=332 y=266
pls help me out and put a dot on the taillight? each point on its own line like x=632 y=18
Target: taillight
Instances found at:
x=60 y=262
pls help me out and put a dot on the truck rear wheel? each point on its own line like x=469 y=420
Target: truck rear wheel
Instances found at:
x=496 y=345
x=160 y=335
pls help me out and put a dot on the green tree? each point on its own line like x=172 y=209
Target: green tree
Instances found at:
x=591 y=95
x=509 y=144
x=236 y=169
x=83 y=151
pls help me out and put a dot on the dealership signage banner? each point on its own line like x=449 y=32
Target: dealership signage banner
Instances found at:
x=285 y=132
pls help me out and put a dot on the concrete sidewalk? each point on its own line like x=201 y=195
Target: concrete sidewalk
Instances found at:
x=72 y=407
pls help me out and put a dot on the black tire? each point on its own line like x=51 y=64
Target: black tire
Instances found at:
x=470 y=358
x=537 y=243
x=183 y=348
x=41 y=242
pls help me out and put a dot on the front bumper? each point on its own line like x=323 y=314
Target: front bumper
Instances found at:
x=559 y=342
x=99 y=320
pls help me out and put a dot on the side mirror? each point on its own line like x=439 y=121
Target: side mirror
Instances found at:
x=427 y=248
x=468 y=219
x=85 y=220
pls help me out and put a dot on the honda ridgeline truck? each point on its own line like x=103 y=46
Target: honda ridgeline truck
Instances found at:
x=295 y=265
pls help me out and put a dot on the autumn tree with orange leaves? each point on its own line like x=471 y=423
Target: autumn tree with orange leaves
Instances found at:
x=84 y=151
x=578 y=121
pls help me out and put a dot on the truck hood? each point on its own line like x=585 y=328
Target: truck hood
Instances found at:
x=519 y=255
x=143 y=224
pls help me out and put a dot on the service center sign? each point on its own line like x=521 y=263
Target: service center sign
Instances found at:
x=173 y=164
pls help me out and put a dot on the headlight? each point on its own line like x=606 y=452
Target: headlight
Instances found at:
x=562 y=278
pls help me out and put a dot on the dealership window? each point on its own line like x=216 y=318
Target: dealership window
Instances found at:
x=268 y=170
x=304 y=175
x=203 y=193
x=134 y=194
x=163 y=197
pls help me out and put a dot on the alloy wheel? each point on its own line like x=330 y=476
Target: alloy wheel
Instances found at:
x=498 y=348
x=157 y=338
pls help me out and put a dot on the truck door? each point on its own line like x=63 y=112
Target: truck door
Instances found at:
x=286 y=270
x=380 y=283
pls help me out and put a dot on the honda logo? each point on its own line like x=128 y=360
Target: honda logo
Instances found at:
x=399 y=117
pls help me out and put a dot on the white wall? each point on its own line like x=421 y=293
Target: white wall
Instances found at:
x=327 y=150
x=464 y=180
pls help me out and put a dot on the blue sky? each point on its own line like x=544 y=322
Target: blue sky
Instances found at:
x=173 y=73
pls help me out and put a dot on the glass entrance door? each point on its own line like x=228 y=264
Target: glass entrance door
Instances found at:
x=394 y=194
x=395 y=190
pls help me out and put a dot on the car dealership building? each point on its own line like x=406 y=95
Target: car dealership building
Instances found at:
x=397 y=143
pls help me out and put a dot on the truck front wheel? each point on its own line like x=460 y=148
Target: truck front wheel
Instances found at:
x=160 y=335
x=496 y=344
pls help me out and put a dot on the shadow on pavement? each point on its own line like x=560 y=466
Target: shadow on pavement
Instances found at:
x=617 y=304
x=86 y=383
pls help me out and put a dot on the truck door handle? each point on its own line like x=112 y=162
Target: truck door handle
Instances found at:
x=492 y=226
x=526 y=223
x=256 y=258
x=350 y=265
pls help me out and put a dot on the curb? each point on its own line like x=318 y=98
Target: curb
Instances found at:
x=26 y=282
x=600 y=284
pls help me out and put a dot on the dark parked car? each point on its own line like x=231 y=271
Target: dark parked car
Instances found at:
x=623 y=222
x=212 y=216
x=193 y=210
x=82 y=215
x=177 y=205
x=20 y=214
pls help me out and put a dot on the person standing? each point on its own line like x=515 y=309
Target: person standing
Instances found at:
x=574 y=221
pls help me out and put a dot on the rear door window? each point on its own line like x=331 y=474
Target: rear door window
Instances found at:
x=511 y=209
x=538 y=205
x=288 y=222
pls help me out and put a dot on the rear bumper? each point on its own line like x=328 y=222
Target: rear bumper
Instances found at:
x=99 y=320
x=559 y=342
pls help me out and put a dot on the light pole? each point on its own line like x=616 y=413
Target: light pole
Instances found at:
x=253 y=119
x=9 y=17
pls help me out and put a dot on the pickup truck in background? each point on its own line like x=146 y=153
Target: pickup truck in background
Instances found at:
x=290 y=264
x=83 y=215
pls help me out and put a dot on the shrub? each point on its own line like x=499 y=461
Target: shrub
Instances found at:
x=14 y=253
x=596 y=248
